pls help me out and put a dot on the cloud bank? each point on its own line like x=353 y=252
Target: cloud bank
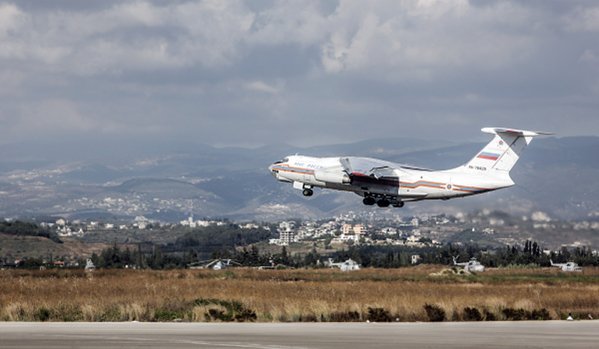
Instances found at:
x=310 y=72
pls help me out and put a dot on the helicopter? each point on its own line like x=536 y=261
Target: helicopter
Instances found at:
x=568 y=267
x=471 y=266
x=348 y=265
x=214 y=264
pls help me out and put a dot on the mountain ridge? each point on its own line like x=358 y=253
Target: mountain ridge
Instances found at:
x=557 y=175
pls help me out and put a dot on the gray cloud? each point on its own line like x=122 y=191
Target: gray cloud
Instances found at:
x=245 y=73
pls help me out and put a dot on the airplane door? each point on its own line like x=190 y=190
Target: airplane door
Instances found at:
x=390 y=186
x=449 y=188
x=308 y=178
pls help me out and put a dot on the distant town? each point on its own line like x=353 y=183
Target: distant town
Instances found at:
x=62 y=242
x=484 y=227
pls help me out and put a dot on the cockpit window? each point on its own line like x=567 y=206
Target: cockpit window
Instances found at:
x=282 y=161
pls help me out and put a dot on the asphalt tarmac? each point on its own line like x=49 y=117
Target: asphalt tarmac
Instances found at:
x=522 y=334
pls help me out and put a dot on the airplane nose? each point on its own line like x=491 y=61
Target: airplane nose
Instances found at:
x=272 y=170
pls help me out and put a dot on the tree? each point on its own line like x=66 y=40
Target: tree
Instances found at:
x=284 y=256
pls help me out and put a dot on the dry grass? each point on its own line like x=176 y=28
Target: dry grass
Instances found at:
x=292 y=295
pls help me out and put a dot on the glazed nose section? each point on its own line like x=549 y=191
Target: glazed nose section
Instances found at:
x=272 y=170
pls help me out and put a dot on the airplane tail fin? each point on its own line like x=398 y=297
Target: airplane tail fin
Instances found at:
x=501 y=154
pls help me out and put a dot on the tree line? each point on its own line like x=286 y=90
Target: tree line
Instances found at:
x=20 y=228
x=229 y=241
x=527 y=254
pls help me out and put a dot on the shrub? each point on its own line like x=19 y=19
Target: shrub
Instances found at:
x=42 y=314
x=434 y=312
x=245 y=314
x=308 y=318
x=379 y=315
x=345 y=316
x=515 y=314
x=218 y=314
x=111 y=314
x=489 y=316
x=67 y=313
x=472 y=314
x=226 y=310
x=540 y=314
x=162 y=314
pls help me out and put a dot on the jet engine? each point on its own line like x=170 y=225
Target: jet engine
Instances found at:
x=339 y=177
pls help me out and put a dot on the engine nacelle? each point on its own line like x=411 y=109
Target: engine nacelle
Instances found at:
x=338 y=177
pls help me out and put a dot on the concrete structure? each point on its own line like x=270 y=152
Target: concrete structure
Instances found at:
x=286 y=237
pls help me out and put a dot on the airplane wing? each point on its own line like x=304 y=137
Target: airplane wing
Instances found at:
x=382 y=172
x=364 y=167
x=367 y=171
x=376 y=167
x=410 y=167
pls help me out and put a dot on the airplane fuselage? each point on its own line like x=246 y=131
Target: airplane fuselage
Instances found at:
x=402 y=183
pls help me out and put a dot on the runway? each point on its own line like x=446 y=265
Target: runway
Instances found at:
x=524 y=334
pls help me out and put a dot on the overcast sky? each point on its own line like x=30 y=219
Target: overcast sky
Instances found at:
x=298 y=72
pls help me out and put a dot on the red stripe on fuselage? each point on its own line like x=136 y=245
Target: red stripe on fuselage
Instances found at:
x=487 y=157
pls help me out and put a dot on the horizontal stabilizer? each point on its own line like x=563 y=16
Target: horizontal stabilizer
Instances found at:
x=515 y=132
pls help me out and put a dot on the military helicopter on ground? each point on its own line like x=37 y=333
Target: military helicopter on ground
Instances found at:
x=569 y=267
x=471 y=266
x=214 y=264
x=348 y=265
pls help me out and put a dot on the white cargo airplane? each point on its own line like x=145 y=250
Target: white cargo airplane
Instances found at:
x=386 y=183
